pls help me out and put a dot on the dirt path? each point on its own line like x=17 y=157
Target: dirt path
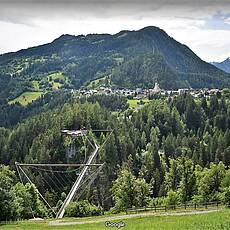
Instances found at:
x=123 y=217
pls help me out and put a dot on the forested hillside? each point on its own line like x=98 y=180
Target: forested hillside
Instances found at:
x=128 y=59
x=174 y=149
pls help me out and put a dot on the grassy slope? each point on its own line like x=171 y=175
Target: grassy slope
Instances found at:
x=215 y=221
x=26 y=98
x=35 y=85
x=95 y=82
x=53 y=76
x=103 y=81
x=134 y=103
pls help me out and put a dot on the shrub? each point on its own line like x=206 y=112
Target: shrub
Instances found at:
x=158 y=201
x=226 y=196
x=82 y=208
x=197 y=199
x=172 y=198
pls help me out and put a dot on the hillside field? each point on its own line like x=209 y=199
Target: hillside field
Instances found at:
x=133 y=103
x=26 y=98
x=215 y=221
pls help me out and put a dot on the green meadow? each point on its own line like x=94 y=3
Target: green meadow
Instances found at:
x=214 y=220
x=26 y=98
x=133 y=103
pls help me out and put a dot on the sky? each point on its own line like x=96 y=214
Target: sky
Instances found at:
x=203 y=25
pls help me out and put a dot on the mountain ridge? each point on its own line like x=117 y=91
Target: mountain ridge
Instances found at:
x=139 y=58
x=224 y=65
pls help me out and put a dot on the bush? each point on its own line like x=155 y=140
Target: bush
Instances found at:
x=172 y=198
x=27 y=199
x=82 y=208
x=226 y=196
x=197 y=199
x=158 y=201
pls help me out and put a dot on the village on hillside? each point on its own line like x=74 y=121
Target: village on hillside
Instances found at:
x=140 y=93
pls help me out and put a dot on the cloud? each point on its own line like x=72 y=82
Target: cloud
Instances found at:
x=227 y=21
x=202 y=25
x=219 y=21
x=25 y=10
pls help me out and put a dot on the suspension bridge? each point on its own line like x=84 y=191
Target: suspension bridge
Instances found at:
x=82 y=174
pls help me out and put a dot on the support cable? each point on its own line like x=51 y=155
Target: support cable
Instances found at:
x=38 y=191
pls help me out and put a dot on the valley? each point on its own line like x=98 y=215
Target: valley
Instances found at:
x=134 y=120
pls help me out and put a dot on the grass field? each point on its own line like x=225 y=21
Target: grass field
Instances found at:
x=54 y=76
x=35 y=85
x=216 y=221
x=55 y=81
x=26 y=98
x=96 y=83
x=134 y=103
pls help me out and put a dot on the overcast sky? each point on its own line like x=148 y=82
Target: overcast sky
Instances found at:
x=203 y=25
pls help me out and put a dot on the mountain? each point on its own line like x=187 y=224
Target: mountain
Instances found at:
x=126 y=59
x=224 y=65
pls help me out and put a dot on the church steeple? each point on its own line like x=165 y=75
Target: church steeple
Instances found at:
x=156 y=88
